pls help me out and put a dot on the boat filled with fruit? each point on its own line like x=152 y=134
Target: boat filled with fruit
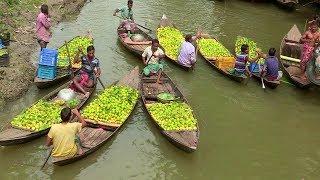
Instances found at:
x=63 y=68
x=36 y=121
x=218 y=57
x=170 y=39
x=170 y=111
x=254 y=67
x=106 y=114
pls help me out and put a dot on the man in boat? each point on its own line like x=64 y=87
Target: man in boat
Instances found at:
x=43 y=26
x=127 y=16
x=187 y=55
x=270 y=69
x=309 y=40
x=89 y=71
x=241 y=68
x=151 y=57
x=63 y=136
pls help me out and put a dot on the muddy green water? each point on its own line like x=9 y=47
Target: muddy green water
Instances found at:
x=246 y=133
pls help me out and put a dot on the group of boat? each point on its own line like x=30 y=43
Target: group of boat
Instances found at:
x=96 y=135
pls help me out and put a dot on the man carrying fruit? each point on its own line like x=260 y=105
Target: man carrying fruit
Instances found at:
x=151 y=57
x=63 y=136
x=187 y=55
x=89 y=71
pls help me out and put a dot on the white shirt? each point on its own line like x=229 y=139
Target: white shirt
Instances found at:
x=148 y=53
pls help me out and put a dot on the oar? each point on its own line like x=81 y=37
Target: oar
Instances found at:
x=263 y=87
x=69 y=57
x=137 y=24
x=47 y=157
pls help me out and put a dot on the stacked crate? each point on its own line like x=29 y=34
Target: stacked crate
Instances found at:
x=47 y=68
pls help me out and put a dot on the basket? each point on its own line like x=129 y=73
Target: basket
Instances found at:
x=225 y=62
x=48 y=57
x=46 y=72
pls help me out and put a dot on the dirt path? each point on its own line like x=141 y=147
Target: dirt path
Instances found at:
x=16 y=78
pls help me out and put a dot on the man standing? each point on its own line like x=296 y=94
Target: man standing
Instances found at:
x=151 y=57
x=43 y=26
x=127 y=16
x=187 y=55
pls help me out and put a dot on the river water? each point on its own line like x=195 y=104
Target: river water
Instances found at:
x=246 y=133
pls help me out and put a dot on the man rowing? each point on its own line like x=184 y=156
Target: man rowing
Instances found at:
x=151 y=57
x=64 y=136
x=127 y=16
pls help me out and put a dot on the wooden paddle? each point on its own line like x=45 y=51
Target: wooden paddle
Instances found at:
x=137 y=24
x=47 y=157
x=68 y=53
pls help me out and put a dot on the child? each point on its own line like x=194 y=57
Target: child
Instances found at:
x=241 y=61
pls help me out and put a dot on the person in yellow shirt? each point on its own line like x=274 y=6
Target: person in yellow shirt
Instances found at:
x=63 y=136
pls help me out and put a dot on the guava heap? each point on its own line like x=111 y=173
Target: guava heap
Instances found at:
x=175 y=116
x=38 y=117
x=170 y=39
x=113 y=105
x=73 y=47
x=211 y=48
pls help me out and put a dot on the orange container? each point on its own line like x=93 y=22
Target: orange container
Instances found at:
x=225 y=62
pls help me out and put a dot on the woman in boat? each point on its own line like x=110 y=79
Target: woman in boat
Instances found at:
x=309 y=40
x=241 y=68
x=89 y=71
x=63 y=136
x=270 y=69
x=43 y=26
x=151 y=57
x=187 y=55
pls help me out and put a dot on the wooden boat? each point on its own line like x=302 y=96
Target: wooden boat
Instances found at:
x=165 y=22
x=95 y=136
x=270 y=84
x=288 y=4
x=290 y=52
x=63 y=73
x=136 y=49
x=185 y=140
x=13 y=135
x=211 y=62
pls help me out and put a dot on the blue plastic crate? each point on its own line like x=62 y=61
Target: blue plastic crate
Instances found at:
x=48 y=57
x=46 y=72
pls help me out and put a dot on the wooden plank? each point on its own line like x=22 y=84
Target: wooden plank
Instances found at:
x=12 y=133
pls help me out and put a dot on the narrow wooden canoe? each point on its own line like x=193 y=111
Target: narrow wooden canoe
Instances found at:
x=185 y=140
x=12 y=135
x=270 y=84
x=95 y=135
x=211 y=62
x=288 y=4
x=290 y=48
x=165 y=22
x=136 y=49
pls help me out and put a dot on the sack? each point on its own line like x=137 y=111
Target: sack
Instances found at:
x=137 y=38
x=66 y=94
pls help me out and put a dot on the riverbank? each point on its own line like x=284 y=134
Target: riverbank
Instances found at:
x=19 y=18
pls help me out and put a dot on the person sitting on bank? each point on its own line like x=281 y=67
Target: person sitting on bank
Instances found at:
x=43 y=26
x=309 y=40
x=270 y=68
x=63 y=136
x=151 y=57
x=241 y=68
x=89 y=72
x=187 y=55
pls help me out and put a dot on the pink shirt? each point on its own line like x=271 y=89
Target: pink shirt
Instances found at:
x=42 y=27
x=187 y=54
